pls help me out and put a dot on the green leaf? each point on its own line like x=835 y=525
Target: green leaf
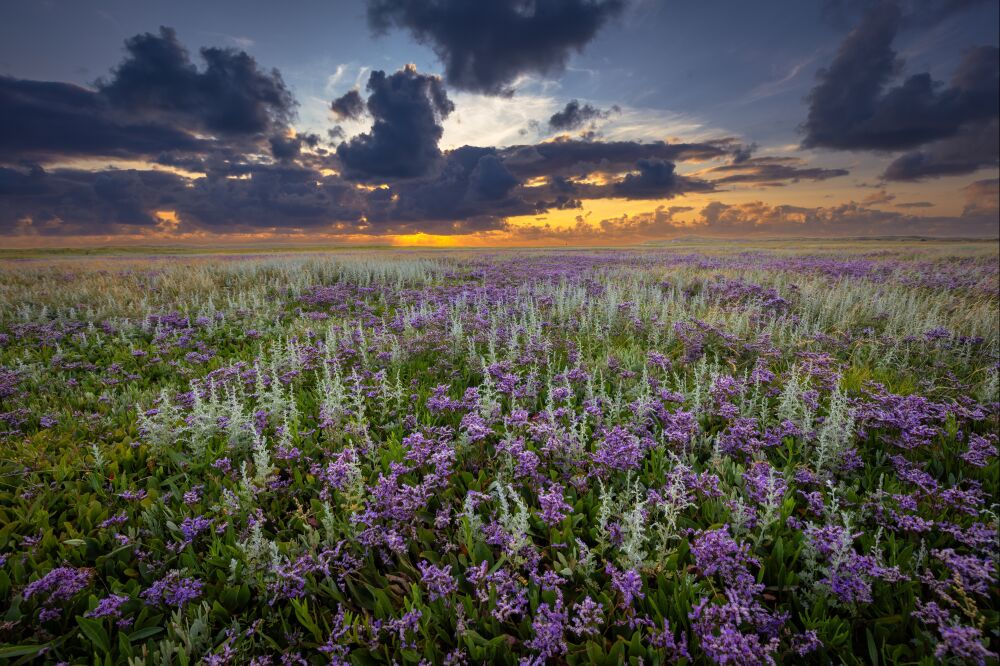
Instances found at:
x=872 y=650
x=305 y=618
x=95 y=632
x=143 y=634
x=11 y=651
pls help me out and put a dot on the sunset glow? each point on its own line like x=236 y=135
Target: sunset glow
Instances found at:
x=646 y=125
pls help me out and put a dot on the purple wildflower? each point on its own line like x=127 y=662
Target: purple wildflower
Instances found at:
x=587 y=617
x=628 y=584
x=437 y=580
x=981 y=450
x=764 y=485
x=192 y=527
x=59 y=584
x=554 y=507
x=663 y=639
x=620 y=450
x=549 y=626
x=109 y=606
x=172 y=590
x=715 y=552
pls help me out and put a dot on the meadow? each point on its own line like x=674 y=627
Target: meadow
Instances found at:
x=696 y=453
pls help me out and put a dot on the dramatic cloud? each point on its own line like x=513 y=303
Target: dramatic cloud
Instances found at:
x=474 y=191
x=43 y=119
x=973 y=148
x=156 y=101
x=575 y=115
x=572 y=157
x=403 y=143
x=289 y=147
x=742 y=153
x=259 y=174
x=485 y=46
x=270 y=197
x=769 y=171
x=72 y=202
x=231 y=96
x=853 y=109
x=219 y=154
x=77 y=202
x=348 y=106
x=656 y=179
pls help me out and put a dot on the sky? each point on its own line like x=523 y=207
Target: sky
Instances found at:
x=496 y=122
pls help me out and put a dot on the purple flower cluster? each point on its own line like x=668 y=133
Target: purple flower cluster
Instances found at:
x=744 y=439
x=554 y=507
x=109 y=606
x=549 y=633
x=847 y=574
x=954 y=639
x=511 y=596
x=716 y=552
x=619 y=451
x=58 y=585
x=438 y=581
x=588 y=615
x=740 y=630
x=172 y=590
x=764 y=484
x=628 y=585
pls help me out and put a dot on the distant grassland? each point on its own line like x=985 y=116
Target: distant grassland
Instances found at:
x=862 y=245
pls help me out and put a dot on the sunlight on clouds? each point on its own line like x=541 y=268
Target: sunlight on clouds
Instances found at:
x=168 y=221
x=428 y=240
x=103 y=163
x=480 y=120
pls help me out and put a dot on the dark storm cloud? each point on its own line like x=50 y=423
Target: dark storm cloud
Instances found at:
x=230 y=96
x=155 y=101
x=854 y=108
x=348 y=106
x=575 y=115
x=656 y=179
x=274 y=196
x=473 y=186
x=42 y=119
x=407 y=108
x=973 y=148
x=290 y=147
x=485 y=46
x=230 y=122
x=571 y=157
x=74 y=202
x=770 y=171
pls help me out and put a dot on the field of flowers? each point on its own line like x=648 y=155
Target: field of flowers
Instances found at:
x=749 y=455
